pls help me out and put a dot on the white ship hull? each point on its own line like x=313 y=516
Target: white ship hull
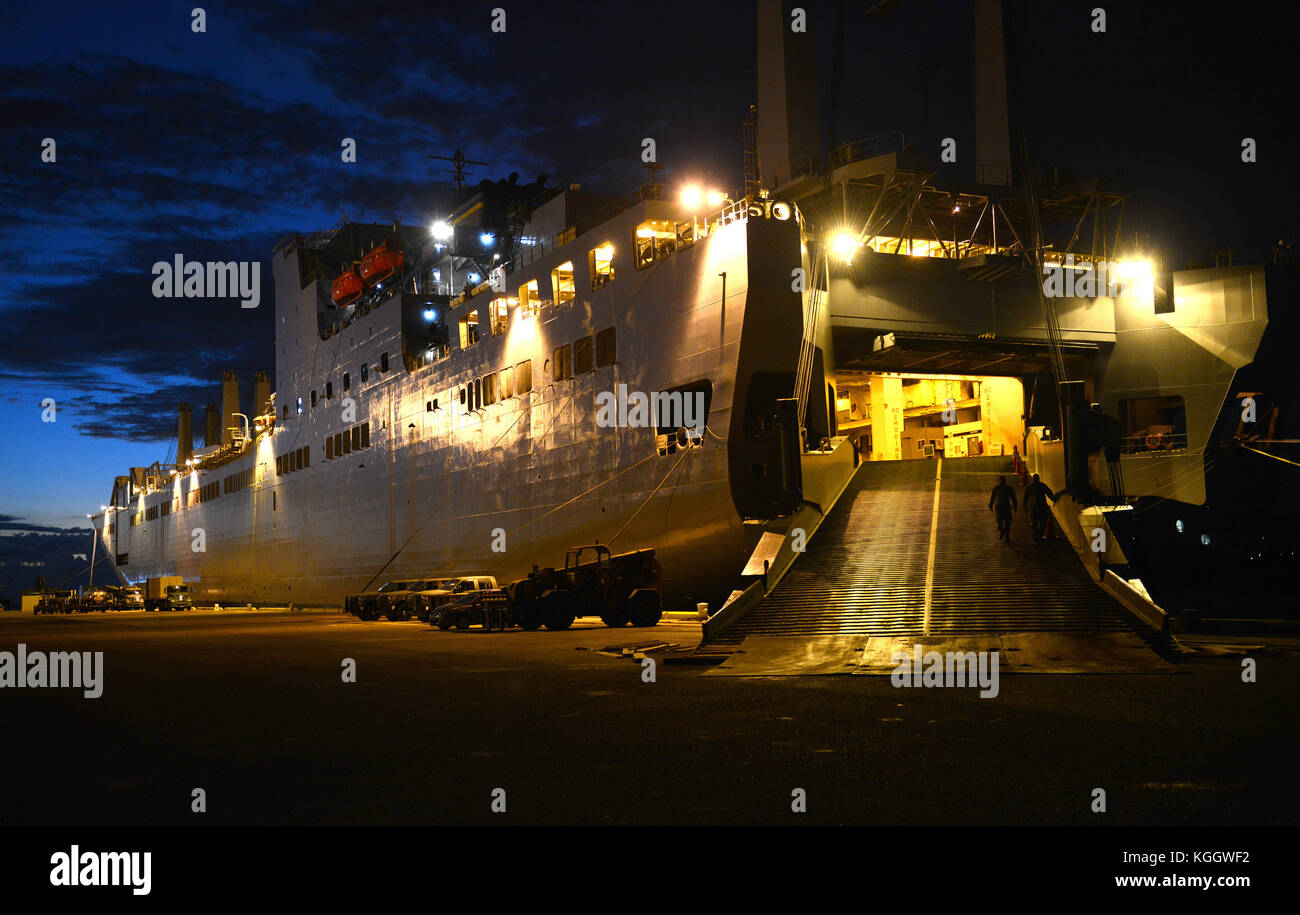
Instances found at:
x=513 y=484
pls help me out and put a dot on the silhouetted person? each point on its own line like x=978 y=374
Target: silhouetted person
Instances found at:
x=1002 y=502
x=1036 y=495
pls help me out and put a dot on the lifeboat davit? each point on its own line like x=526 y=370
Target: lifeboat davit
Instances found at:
x=347 y=288
x=380 y=264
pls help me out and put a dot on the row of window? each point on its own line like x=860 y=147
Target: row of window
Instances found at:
x=580 y=360
x=239 y=481
x=568 y=360
x=293 y=460
x=209 y=492
x=347 y=384
x=494 y=387
x=347 y=441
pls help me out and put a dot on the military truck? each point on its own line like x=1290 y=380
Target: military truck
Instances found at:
x=125 y=598
x=618 y=588
x=56 y=600
x=167 y=592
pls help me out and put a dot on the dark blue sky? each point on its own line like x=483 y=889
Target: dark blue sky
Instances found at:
x=218 y=144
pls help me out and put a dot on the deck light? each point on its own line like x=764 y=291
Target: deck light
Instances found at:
x=844 y=244
x=441 y=230
x=692 y=197
x=486 y=239
x=430 y=314
x=716 y=198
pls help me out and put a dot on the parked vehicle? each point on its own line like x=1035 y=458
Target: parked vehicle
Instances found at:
x=393 y=599
x=444 y=590
x=56 y=601
x=126 y=598
x=619 y=588
x=167 y=592
x=489 y=609
x=96 y=598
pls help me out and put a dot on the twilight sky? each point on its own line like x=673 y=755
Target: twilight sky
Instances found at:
x=216 y=145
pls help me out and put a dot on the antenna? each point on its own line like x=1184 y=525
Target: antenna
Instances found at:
x=458 y=160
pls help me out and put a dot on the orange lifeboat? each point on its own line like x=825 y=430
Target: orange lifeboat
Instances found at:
x=347 y=288
x=380 y=264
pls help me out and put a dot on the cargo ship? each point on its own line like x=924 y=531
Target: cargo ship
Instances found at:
x=438 y=395
x=436 y=399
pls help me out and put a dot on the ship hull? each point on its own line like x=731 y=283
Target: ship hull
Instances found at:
x=444 y=486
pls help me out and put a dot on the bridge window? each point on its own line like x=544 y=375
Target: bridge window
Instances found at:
x=524 y=377
x=562 y=284
x=365 y=373
x=506 y=383
x=383 y=362
x=601 y=263
x=313 y=398
x=469 y=329
x=329 y=448
x=605 y=348
x=489 y=389
x=582 y=356
x=655 y=240
x=329 y=390
x=347 y=382
x=356 y=441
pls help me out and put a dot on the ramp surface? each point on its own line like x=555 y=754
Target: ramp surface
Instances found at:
x=904 y=554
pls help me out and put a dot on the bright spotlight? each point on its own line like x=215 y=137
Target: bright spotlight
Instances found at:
x=1134 y=277
x=716 y=198
x=486 y=239
x=692 y=197
x=843 y=245
x=430 y=314
x=441 y=230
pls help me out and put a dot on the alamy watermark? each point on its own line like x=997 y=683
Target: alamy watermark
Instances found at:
x=103 y=868
x=183 y=279
x=25 y=669
x=639 y=410
x=953 y=668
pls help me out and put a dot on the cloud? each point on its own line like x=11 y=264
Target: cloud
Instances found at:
x=17 y=524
